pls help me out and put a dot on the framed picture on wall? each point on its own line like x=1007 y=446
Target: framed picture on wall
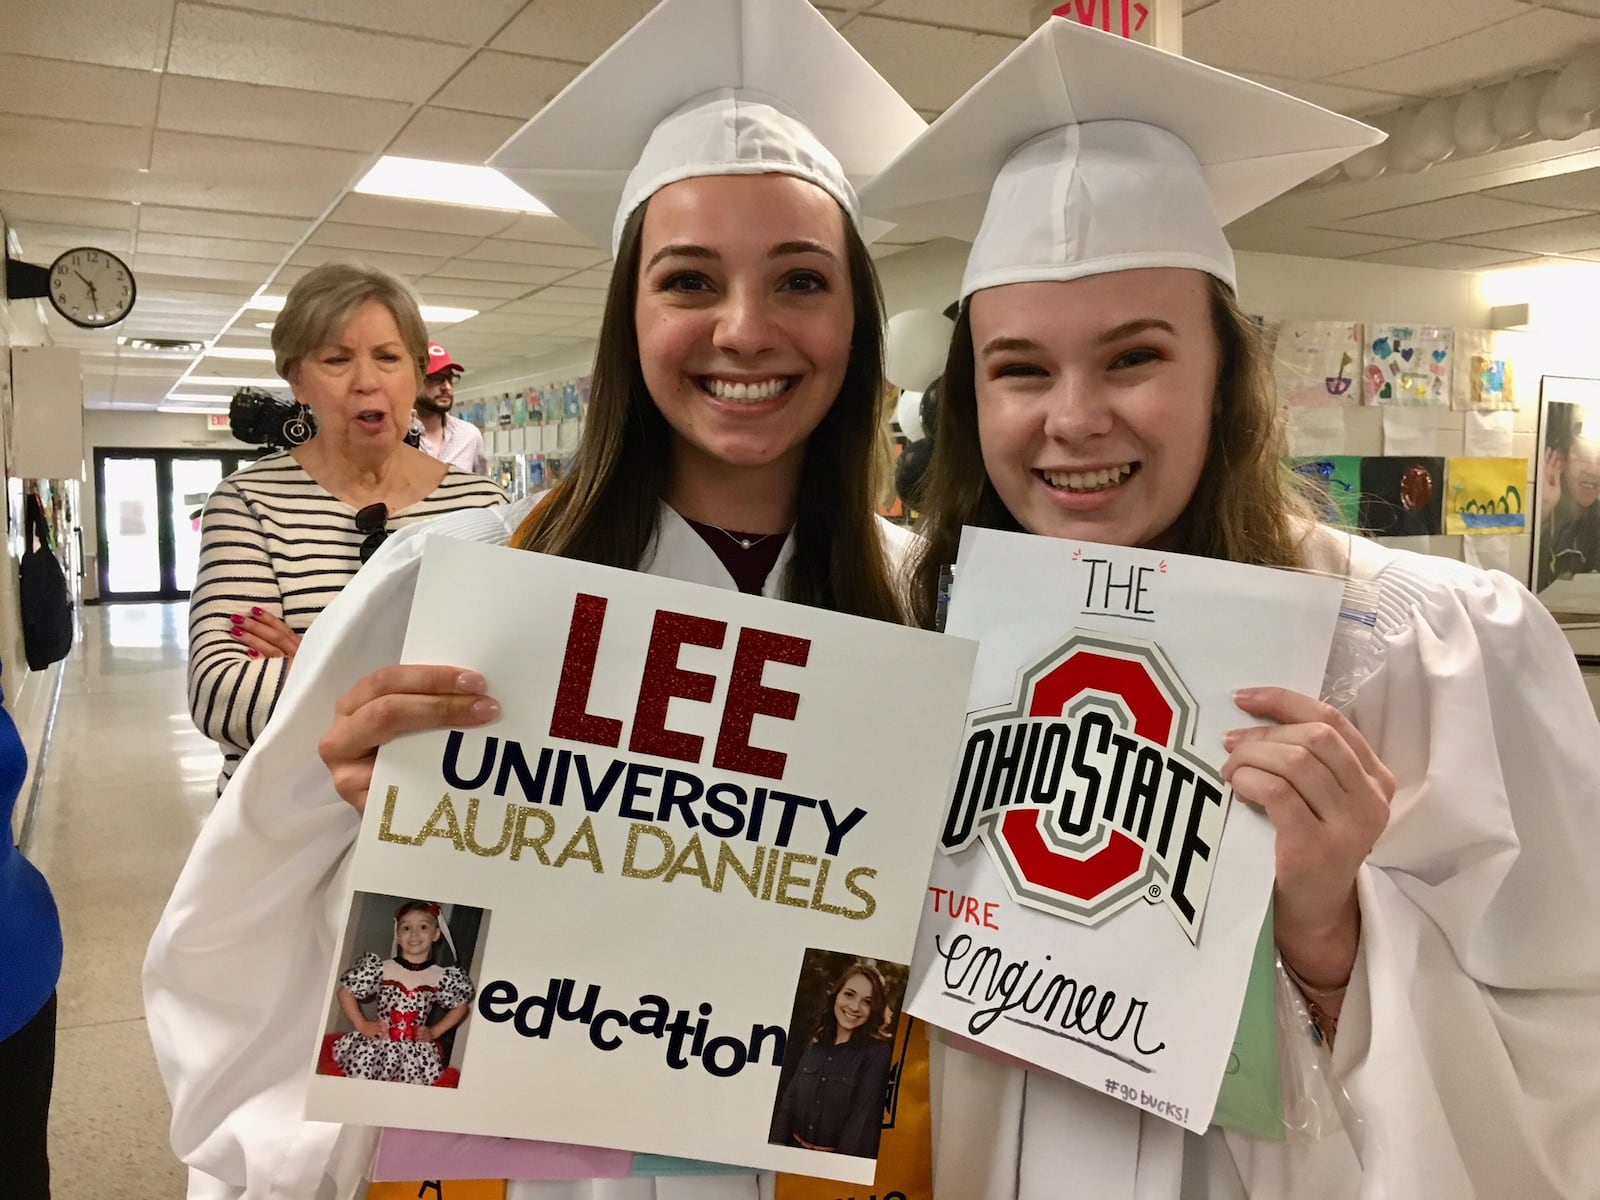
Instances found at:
x=1566 y=532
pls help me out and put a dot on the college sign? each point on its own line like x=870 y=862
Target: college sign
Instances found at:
x=1086 y=790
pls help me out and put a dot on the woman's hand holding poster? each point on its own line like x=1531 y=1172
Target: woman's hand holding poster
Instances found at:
x=691 y=851
x=1098 y=894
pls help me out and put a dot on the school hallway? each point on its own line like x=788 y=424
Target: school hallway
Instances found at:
x=127 y=781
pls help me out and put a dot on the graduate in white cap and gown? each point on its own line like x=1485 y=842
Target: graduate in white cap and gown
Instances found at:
x=730 y=441
x=1436 y=898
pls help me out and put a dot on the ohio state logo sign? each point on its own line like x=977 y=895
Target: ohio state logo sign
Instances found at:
x=1087 y=791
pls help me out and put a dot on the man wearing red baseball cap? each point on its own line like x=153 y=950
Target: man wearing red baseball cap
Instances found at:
x=447 y=438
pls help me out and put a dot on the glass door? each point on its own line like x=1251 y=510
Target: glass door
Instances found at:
x=148 y=503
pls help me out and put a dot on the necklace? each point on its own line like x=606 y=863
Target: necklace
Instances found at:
x=744 y=543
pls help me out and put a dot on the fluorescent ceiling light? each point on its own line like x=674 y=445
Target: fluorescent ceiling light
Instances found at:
x=198 y=398
x=257 y=353
x=192 y=409
x=263 y=324
x=433 y=314
x=446 y=183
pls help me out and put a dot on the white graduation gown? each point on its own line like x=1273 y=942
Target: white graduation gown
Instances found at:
x=1468 y=1043
x=234 y=977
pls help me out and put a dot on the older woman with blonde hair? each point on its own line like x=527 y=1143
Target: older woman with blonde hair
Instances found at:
x=282 y=536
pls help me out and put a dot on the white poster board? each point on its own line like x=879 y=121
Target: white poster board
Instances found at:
x=687 y=790
x=1099 y=893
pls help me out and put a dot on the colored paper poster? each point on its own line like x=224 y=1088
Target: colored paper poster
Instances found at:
x=1317 y=363
x=1098 y=896
x=519 y=410
x=571 y=408
x=1402 y=496
x=1483 y=375
x=503 y=412
x=1408 y=365
x=665 y=835
x=585 y=386
x=1566 y=535
x=1334 y=483
x=1485 y=495
x=440 y=1189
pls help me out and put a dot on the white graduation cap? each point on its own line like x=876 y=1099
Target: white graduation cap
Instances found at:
x=1084 y=153
x=710 y=87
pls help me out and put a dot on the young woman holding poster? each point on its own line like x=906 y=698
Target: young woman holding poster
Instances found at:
x=730 y=441
x=1435 y=897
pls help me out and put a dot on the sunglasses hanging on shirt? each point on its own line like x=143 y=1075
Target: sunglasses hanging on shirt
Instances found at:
x=373 y=521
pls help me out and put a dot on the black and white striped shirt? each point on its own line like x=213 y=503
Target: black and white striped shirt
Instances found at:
x=273 y=538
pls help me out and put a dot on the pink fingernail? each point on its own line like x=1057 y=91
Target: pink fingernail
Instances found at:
x=1231 y=739
x=237 y=632
x=470 y=681
x=255 y=612
x=485 y=709
x=254 y=653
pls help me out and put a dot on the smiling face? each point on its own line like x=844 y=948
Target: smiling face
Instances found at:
x=743 y=316
x=1095 y=400
x=362 y=383
x=852 y=1005
x=1582 y=478
x=416 y=932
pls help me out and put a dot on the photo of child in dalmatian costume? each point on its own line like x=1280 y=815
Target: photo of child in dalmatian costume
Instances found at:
x=397 y=1044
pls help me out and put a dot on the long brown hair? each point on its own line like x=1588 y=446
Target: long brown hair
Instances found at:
x=876 y=1027
x=606 y=510
x=1247 y=507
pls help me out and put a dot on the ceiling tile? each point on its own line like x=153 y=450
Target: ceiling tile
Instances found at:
x=1551 y=237
x=155 y=218
x=43 y=140
x=930 y=67
x=248 y=47
x=1528 y=41
x=408 y=265
x=1011 y=18
x=1589 y=8
x=189 y=288
x=275 y=114
x=252 y=177
x=44 y=87
x=1575 y=189
x=1340 y=99
x=393 y=241
x=544 y=227
x=575 y=31
x=598 y=280
x=477 y=288
x=82 y=31
x=577 y=299
x=1454 y=217
x=1307 y=41
x=466 y=24
x=1313 y=243
x=231 y=250
x=447 y=135
x=539 y=305
x=504 y=272
x=200 y=268
x=102 y=214
x=387 y=212
x=541 y=254
x=507 y=85
x=1587 y=255
x=37 y=237
x=1443 y=256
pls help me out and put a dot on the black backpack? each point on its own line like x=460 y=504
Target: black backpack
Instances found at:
x=46 y=602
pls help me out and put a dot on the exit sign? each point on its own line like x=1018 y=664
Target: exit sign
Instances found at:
x=1127 y=18
x=218 y=421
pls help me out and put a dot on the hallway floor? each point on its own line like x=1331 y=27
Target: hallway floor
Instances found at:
x=127 y=782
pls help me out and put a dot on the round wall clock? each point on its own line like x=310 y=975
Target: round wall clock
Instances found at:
x=91 y=288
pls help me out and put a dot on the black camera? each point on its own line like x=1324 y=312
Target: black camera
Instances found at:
x=263 y=419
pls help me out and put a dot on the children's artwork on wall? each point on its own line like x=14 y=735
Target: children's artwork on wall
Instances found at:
x=1317 y=363
x=1408 y=365
x=1483 y=379
x=519 y=409
x=1335 y=484
x=1486 y=495
x=1402 y=496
